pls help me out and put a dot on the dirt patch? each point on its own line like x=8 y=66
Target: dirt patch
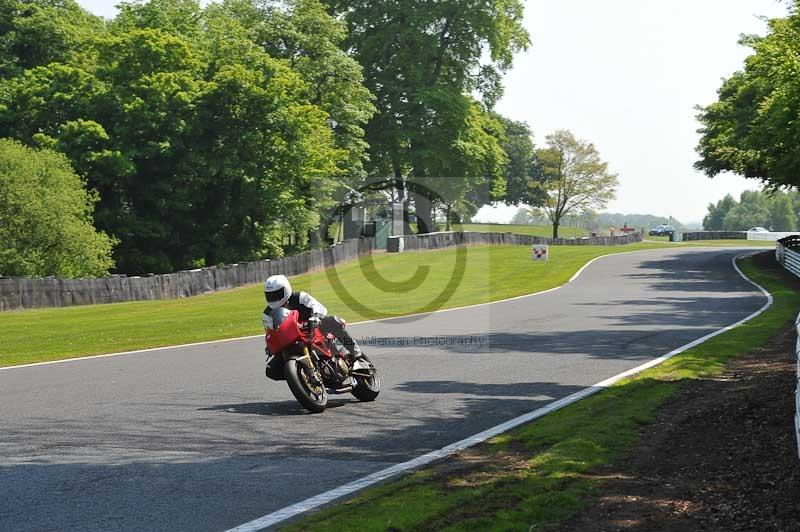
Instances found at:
x=721 y=456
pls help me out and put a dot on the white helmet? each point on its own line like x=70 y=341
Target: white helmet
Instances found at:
x=277 y=290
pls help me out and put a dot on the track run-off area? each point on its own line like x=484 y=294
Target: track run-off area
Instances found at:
x=196 y=438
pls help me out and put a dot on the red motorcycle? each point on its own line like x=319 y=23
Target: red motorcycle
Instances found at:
x=316 y=364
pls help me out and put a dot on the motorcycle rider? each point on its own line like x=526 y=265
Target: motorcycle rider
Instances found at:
x=279 y=294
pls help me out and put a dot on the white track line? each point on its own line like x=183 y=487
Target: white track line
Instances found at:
x=329 y=496
x=209 y=342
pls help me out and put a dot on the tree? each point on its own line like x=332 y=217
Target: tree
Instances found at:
x=576 y=179
x=472 y=174
x=771 y=209
x=310 y=40
x=751 y=211
x=422 y=61
x=39 y=32
x=715 y=219
x=46 y=217
x=201 y=145
x=523 y=174
x=781 y=212
x=526 y=216
x=752 y=129
x=638 y=221
x=302 y=33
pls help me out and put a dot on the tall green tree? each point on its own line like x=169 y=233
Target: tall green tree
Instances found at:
x=715 y=219
x=474 y=171
x=39 y=32
x=422 y=60
x=201 y=145
x=577 y=180
x=523 y=174
x=753 y=129
x=771 y=209
x=310 y=40
x=46 y=217
x=781 y=212
x=751 y=211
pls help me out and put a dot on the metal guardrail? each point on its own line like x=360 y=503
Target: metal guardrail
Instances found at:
x=787 y=252
x=771 y=236
x=797 y=392
x=731 y=235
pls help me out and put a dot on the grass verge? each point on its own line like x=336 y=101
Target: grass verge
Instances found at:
x=492 y=273
x=536 y=476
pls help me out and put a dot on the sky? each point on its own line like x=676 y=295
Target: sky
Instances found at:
x=626 y=75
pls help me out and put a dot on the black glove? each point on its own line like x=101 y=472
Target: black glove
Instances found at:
x=314 y=321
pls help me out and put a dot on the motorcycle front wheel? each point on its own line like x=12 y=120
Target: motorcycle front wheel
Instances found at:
x=313 y=397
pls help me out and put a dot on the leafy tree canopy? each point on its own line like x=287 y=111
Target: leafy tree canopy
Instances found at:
x=202 y=142
x=715 y=219
x=523 y=173
x=46 y=217
x=422 y=60
x=576 y=178
x=775 y=210
x=207 y=133
x=753 y=129
x=39 y=32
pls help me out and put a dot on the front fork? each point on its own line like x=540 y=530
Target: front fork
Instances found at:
x=313 y=373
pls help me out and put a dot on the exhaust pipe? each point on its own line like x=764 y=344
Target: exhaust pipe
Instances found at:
x=346 y=389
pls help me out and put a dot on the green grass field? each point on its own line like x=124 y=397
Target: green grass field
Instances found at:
x=51 y=334
x=537 y=476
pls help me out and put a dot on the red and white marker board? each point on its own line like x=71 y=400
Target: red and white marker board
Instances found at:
x=540 y=252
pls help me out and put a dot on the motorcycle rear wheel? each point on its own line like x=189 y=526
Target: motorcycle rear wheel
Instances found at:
x=367 y=389
x=312 y=398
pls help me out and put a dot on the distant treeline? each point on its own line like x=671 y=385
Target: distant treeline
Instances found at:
x=776 y=211
x=602 y=220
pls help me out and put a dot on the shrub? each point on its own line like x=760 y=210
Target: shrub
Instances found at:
x=46 y=217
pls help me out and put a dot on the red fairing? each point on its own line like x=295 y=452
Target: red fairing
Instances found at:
x=289 y=332
x=321 y=343
x=285 y=335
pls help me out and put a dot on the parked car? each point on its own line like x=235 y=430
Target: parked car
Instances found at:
x=758 y=230
x=662 y=230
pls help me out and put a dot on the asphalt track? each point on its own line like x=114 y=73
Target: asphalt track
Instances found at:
x=196 y=439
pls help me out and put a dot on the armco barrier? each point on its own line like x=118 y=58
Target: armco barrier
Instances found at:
x=24 y=293
x=449 y=239
x=787 y=253
x=797 y=391
x=771 y=236
x=733 y=235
